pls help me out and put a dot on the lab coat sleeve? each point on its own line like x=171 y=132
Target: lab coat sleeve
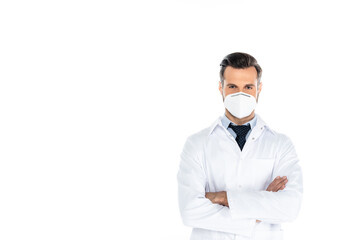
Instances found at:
x=272 y=207
x=196 y=210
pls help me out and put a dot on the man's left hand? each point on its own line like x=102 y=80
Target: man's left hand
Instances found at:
x=218 y=197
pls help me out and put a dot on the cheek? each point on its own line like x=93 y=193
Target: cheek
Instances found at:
x=251 y=92
x=226 y=93
x=230 y=91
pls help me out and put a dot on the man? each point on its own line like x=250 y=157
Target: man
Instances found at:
x=238 y=178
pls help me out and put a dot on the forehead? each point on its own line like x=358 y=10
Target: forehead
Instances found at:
x=238 y=76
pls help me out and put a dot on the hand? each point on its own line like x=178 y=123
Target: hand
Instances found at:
x=277 y=184
x=218 y=198
x=221 y=197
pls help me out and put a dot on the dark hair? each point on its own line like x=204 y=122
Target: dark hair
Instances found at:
x=239 y=60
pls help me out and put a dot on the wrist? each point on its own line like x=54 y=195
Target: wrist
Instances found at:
x=225 y=201
x=222 y=198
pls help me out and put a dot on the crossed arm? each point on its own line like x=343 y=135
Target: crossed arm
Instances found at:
x=221 y=197
x=237 y=211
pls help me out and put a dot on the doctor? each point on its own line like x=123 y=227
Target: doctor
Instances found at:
x=238 y=178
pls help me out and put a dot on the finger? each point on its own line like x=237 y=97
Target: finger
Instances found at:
x=275 y=185
x=275 y=181
x=282 y=185
x=279 y=184
x=273 y=189
x=278 y=179
x=271 y=186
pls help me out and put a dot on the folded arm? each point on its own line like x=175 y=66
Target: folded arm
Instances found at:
x=221 y=197
x=273 y=207
x=196 y=210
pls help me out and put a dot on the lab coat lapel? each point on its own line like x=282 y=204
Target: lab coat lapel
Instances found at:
x=254 y=134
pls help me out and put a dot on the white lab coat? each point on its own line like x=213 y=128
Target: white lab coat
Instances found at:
x=211 y=161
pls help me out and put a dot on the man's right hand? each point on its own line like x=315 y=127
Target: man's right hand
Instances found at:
x=276 y=185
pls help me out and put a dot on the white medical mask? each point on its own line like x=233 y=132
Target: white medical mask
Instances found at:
x=240 y=104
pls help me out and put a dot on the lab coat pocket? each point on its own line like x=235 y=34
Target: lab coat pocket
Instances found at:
x=262 y=169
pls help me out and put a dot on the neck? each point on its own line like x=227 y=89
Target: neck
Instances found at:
x=239 y=121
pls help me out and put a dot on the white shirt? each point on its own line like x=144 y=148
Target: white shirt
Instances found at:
x=211 y=161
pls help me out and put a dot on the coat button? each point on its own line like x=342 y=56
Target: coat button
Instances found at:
x=240 y=186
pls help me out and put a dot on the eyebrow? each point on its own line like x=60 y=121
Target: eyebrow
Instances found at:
x=247 y=85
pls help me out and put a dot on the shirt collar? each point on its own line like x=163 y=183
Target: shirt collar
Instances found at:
x=226 y=121
x=258 y=122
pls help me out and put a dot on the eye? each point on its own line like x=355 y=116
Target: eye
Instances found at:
x=231 y=86
x=249 y=87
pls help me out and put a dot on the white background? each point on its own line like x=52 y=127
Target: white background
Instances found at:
x=98 y=97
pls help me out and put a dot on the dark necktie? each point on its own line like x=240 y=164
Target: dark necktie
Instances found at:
x=241 y=131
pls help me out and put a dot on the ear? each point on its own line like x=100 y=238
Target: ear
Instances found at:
x=259 y=88
x=220 y=88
